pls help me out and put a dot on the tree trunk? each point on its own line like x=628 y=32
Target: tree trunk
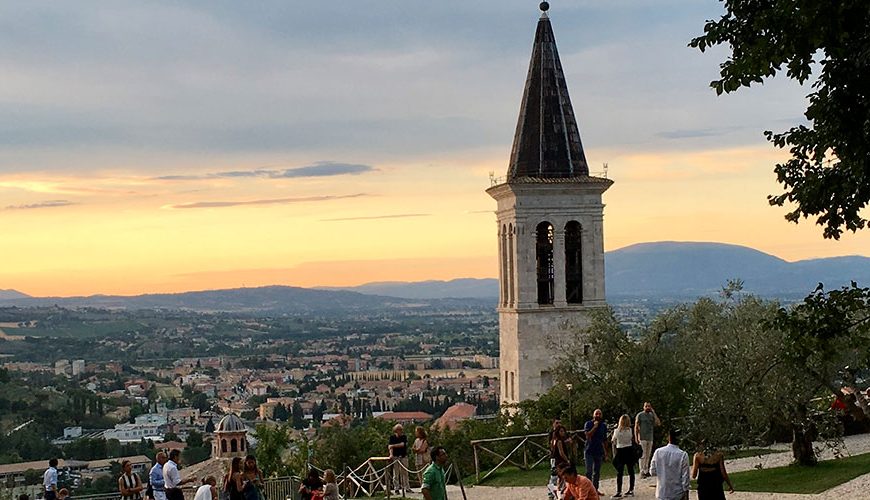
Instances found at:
x=802 y=446
x=803 y=434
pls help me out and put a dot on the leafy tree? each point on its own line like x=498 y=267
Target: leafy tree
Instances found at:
x=194 y=439
x=280 y=413
x=614 y=372
x=828 y=175
x=272 y=446
x=298 y=416
x=739 y=371
x=200 y=401
x=825 y=343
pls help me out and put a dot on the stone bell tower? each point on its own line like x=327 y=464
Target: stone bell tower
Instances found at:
x=550 y=229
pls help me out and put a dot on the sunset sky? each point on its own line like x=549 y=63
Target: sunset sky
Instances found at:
x=170 y=146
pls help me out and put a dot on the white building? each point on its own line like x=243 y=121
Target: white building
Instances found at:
x=62 y=367
x=128 y=433
x=78 y=367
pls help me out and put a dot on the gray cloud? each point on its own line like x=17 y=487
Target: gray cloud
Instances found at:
x=697 y=132
x=319 y=169
x=374 y=217
x=42 y=204
x=272 y=201
x=371 y=78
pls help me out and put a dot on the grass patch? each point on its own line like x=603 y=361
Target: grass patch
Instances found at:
x=807 y=480
x=513 y=476
x=750 y=452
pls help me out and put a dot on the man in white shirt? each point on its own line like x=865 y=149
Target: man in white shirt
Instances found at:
x=670 y=465
x=172 y=481
x=49 y=480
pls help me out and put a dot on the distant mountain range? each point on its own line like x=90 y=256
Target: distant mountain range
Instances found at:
x=672 y=269
x=690 y=269
x=12 y=294
x=267 y=299
x=660 y=270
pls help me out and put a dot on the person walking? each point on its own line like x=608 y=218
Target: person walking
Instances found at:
x=434 y=479
x=421 y=452
x=596 y=434
x=670 y=466
x=49 y=480
x=709 y=470
x=129 y=484
x=644 y=429
x=155 y=477
x=622 y=443
x=398 y=447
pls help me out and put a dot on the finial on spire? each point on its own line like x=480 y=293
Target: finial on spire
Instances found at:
x=545 y=6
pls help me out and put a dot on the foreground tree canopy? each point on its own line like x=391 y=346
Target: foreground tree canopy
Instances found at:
x=738 y=371
x=828 y=175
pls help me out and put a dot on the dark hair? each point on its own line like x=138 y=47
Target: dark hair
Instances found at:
x=52 y=462
x=173 y=454
x=674 y=436
x=235 y=466
x=436 y=451
x=312 y=473
x=124 y=463
x=568 y=469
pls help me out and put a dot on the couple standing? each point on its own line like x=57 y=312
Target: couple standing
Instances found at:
x=622 y=439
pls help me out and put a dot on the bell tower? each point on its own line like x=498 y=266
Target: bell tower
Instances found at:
x=550 y=229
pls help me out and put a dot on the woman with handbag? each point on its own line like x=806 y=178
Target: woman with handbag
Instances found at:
x=624 y=456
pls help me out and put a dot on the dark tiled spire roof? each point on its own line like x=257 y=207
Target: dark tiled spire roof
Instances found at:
x=547 y=140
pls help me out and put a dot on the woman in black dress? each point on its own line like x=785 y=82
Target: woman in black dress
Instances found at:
x=233 y=483
x=709 y=470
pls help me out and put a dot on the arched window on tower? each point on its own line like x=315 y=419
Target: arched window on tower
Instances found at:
x=504 y=266
x=544 y=258
x=223 y=445
x=233 y=446
x=573 y=264
x=510 y=257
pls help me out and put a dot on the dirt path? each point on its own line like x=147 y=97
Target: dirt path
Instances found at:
x=858 y=488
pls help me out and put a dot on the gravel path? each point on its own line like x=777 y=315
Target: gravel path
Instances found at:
x=858 y=488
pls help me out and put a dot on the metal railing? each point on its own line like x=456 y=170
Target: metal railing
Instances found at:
x=275 y=488
x=526 y=451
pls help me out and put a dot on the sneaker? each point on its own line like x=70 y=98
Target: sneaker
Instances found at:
x=629 y=493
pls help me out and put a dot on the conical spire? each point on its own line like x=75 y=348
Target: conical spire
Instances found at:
x=547 y=140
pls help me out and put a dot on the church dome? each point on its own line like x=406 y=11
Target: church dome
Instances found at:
x=231 y=423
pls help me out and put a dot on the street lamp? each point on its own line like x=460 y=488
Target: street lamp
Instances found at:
x=570 y=413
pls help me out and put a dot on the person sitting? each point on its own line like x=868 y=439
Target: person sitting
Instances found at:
x=577 y=487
